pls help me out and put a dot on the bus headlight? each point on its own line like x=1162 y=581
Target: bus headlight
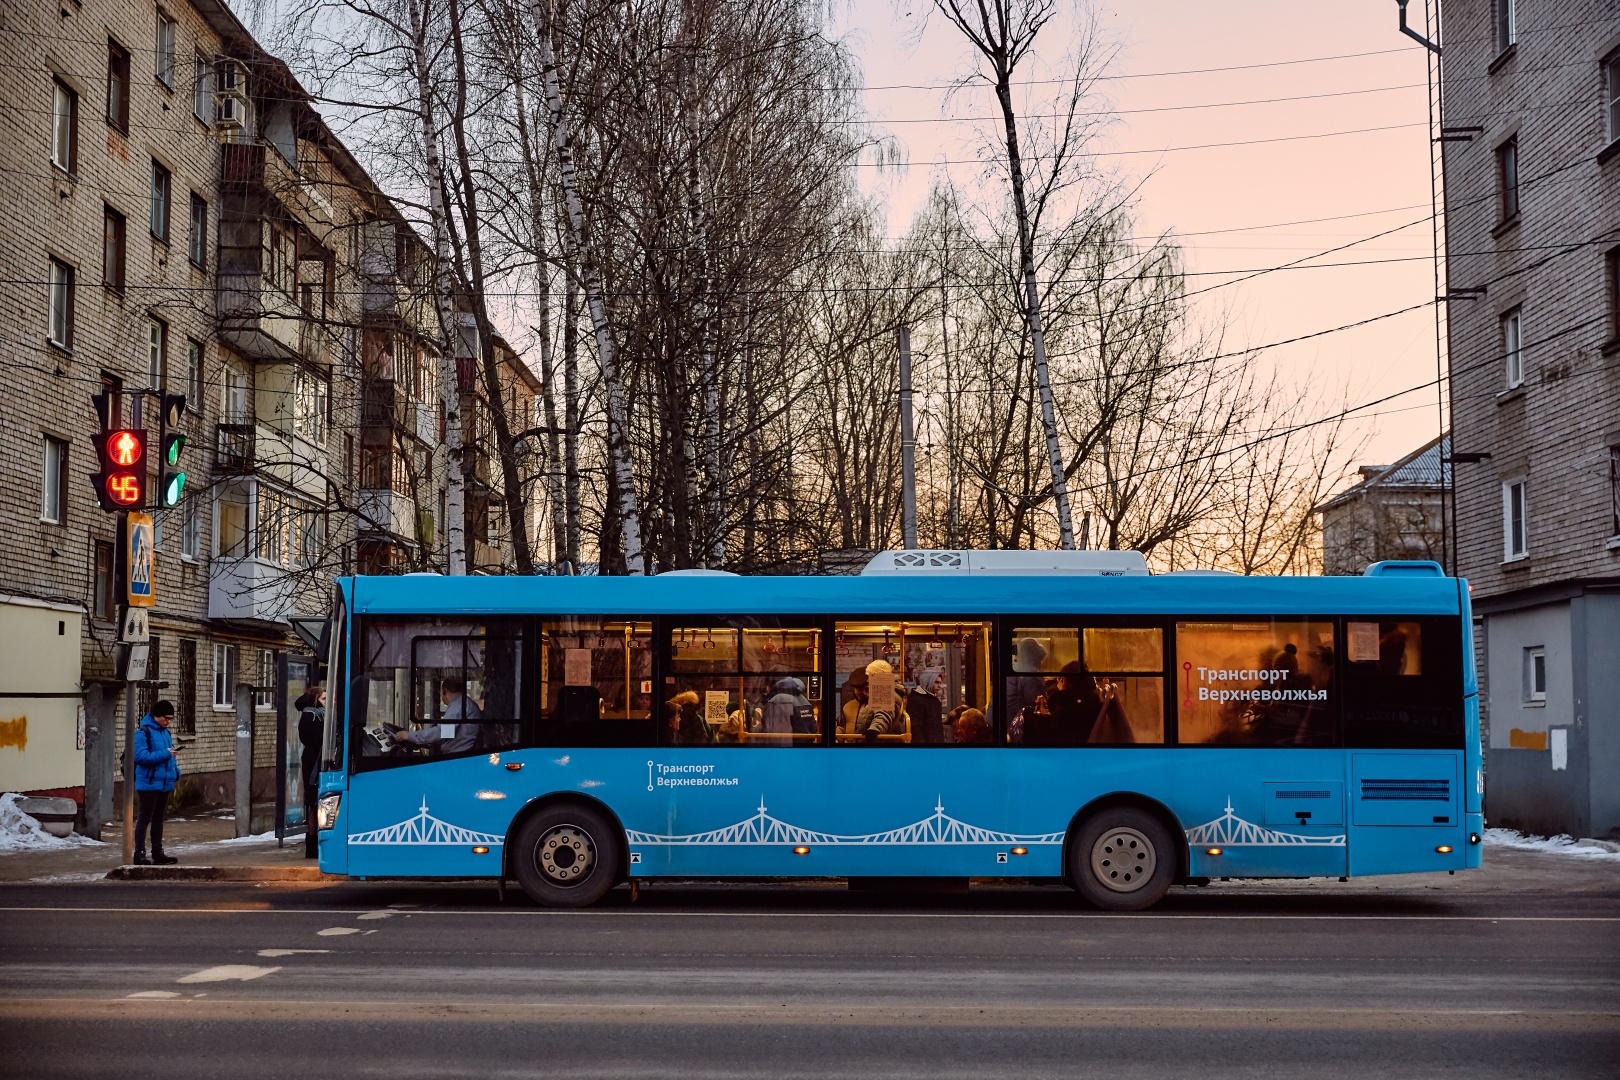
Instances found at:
x=327 y=810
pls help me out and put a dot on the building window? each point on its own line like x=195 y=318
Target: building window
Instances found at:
x=64 y=127
x=157 y=351
x=190 y=528
x=1507 y=24
x=1507 y=179
x=202 y=90
x=1535 y=673
x=160 y=202
x=112 y=249
x=224 y=675
x=264 y=685
x=283 y=259
x=101 y=596
x=1513 y=346
x=1515 y=533
x=198 y=237
x=53 y=477
x=194 y=354
x=164 y=51
x=235 y=404
x=231 y=515
x=185 y=692
x=117 y=86
x=60 y=328
x=309 y=407
x=1614 y=491
x=1611 y=291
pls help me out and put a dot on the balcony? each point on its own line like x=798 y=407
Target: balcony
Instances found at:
x=259 y=320
x=384 y=502
x=250 y=588
x=233 y=449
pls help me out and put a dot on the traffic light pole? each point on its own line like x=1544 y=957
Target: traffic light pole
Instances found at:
x=129 y=769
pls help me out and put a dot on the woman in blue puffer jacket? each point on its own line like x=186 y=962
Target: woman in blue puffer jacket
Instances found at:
x=156 y=771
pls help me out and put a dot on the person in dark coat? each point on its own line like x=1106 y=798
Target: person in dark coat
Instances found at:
x=925 y=710
x=311 y=733
x=156 y=771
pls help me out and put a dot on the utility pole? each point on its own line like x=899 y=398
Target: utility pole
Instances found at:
x=908 y=447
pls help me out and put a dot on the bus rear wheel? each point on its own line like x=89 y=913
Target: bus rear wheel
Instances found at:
x=566 y=855
x=1122 y=859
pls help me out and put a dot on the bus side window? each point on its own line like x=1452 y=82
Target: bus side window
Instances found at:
x=1258 y=682
x=912 y=682
x=1403 y=683
x=732 y=683
x=595 y=681
x=1086 y=686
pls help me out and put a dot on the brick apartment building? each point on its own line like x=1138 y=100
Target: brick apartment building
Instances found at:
x=182 y=218
x=1532 y=181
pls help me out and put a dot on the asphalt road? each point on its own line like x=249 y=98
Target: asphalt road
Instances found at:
x=1514 y=975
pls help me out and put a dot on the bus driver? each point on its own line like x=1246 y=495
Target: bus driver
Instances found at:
x=447 y=737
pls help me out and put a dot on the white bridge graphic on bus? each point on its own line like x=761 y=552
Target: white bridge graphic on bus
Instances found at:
x=1229 y=830
x=425 y=830
x=938 y=829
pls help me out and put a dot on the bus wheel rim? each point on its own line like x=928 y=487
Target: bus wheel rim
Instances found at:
x=1123 y=860
x=566 y=855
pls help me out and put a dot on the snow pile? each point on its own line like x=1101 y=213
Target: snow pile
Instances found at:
x=257 y=838
x=19 y=832
x=1557 y=845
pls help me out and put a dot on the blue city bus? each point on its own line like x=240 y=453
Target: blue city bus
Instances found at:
x=1116 y=730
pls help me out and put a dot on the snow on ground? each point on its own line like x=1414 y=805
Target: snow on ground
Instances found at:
x=1557 y=845
x=19 y=832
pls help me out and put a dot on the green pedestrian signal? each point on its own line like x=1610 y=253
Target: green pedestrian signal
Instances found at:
x=172 y=478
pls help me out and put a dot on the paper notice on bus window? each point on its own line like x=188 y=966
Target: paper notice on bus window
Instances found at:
x=1363 y=641
x=881 y=690
x=577 y=667
x=714 y=706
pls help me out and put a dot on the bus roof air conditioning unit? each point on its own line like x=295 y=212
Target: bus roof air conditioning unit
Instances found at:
x=1009 y=563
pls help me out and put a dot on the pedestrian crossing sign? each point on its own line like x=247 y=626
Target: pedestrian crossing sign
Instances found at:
x=138 y=559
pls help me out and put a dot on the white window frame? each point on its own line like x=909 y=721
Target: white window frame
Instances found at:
x=162 y=198
x=53 y=481
x=1515 y=520
x=225 y=659
x=1535 y=675
x=64 y=125
x=1507 y=24
x=190 y=529
x=59 y=327
x=202 y=89
x=194 y=380
x=1513 y=346
x=264 y=696
x=157 y=349
x=163 y=49
x=1611 y=94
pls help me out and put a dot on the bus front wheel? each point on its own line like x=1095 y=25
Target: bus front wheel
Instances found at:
x=1122 y=859
x=566 y=856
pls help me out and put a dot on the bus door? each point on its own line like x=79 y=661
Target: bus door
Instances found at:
x=1403 y=726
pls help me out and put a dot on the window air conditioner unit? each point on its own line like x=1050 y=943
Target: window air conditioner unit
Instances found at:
x=231 y=94
x=232 y=111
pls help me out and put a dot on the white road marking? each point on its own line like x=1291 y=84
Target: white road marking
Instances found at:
x=863 y=915
x=274 y=953
x=155 y=994
x=337 y=931
x=227 y=973
x=379 y=915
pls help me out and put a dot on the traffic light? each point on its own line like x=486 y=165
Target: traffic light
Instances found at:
x=121 y=483
x=171 y=478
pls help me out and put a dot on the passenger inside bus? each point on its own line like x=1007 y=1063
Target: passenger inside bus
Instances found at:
x=904 y=676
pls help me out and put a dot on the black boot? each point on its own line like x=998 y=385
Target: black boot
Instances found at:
x=141 y=859
x=160 y=859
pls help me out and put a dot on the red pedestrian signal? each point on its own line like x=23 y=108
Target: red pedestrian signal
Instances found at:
x=126 y=448
x=121 y=481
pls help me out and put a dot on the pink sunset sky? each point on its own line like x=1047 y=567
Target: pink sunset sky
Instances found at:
x=1231 y=207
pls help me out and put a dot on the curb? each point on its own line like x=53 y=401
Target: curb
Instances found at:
x=217 y=873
